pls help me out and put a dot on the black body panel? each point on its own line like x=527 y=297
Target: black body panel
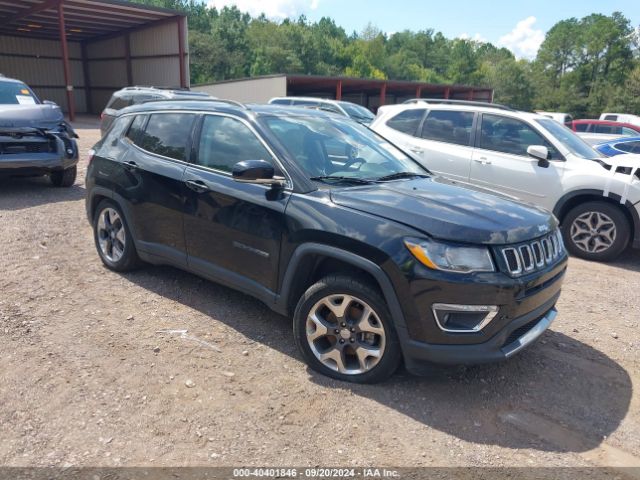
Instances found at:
x=267 y=241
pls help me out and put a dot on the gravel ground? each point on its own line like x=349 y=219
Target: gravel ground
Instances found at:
x=160 y=367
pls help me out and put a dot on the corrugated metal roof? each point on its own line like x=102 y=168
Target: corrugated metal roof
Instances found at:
x=84 y=19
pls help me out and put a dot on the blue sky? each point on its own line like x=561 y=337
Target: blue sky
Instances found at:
x=517 y=25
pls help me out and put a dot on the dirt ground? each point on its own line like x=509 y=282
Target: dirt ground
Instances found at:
x=159 y=367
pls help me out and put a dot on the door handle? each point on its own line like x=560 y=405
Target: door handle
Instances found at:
x=417 y=151
x=482 y=161
x=130 y=165
x=197 y=186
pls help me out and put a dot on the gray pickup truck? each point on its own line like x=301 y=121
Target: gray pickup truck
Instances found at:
x=34 y=137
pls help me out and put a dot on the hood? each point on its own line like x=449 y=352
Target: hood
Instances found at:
x=36 y=116
x=443 y=210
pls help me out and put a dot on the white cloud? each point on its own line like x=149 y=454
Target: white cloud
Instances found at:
x=476 y=38
x=524 y=40
x=278 y=9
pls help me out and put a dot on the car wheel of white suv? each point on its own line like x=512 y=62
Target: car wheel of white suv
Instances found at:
x=596 y=231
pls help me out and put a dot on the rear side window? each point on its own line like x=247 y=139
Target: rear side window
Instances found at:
x=119 y=102
x=448 y=126
x=581 y=127
x=610 y=129
x=629 y=132
x=629 y=147
x=407 y=121
x=611 y=117
x=118 y=127
x=137 y=99
x=136 y=128
x=305 y=103
x=111 y=147
x=167 y=134
x=281 y=101
x=226 y=141
x=330 y=108
x=510 y=135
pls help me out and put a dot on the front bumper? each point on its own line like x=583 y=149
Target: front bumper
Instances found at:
x=35 y=164
x=511 y=339
x=39 y=163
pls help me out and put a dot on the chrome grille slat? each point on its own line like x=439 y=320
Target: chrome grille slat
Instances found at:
x=512 y=257
x=546 y=246
x=537 y=250
x=526 y=253
x=535 y=255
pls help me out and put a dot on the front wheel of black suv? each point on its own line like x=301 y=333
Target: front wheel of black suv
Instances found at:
x=596 y=231
x=64 y=178
x=344 y=330
x=113 y=238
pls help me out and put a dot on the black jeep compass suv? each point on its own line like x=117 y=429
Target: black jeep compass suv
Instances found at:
x=376 y=260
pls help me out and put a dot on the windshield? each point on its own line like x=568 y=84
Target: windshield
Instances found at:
x=358 y=112
x=570 y=140
x=338 y=147
x=16 y=93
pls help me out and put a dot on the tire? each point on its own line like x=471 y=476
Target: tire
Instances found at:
x=355 y=347
x=64 y=178
x=113 y=238
x=596 y=231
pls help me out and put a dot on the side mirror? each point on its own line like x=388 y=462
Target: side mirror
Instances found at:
x=256 y=171
x=541 y=153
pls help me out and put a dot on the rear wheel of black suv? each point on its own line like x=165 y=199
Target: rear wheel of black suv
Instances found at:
x=596 y=231
x=113 y=238
x=344 y=330
x=64 y=178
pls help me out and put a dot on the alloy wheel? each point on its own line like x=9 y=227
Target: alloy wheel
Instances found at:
x=111 y=234
x=345 y=334
x=593 y=232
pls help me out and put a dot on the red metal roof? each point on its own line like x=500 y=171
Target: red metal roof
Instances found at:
x=84 y=19
x=364 y=83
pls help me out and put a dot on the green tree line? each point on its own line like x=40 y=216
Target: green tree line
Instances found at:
x=584 y=66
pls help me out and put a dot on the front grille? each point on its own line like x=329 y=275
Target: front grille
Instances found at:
x=16 y=148
x=535 y=255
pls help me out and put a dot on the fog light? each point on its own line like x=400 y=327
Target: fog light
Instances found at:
x=463 y=318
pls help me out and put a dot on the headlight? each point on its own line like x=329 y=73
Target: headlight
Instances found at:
x=450 y=257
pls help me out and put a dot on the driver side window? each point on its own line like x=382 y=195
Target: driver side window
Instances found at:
x=226 y=141
x=510 y=135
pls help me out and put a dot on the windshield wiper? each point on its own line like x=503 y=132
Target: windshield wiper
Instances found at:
x=399 y=175
x=340 y=178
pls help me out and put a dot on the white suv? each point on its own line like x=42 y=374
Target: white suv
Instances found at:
x=531 y=157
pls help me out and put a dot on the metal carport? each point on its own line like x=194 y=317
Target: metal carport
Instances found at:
x=368 y=92
x=77 y=52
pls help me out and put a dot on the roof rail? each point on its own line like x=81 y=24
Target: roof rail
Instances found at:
x=203 y=99
x=230 y=102
x=139 y=87
x=460 y=102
